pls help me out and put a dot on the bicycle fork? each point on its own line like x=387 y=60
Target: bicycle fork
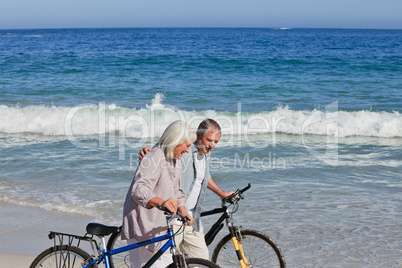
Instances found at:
x=236 y=240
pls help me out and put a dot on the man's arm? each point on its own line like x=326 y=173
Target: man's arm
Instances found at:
x=217 y=190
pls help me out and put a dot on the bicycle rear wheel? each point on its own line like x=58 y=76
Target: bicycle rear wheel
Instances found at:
x=62 y=256
x=260 y=251
x=121 y=260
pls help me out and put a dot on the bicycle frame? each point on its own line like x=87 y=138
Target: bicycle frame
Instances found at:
x=217 y=226
x=104 y=257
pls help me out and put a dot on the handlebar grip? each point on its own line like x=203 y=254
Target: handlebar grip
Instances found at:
x=245 y=188
x=180 y=216
x=162 y=208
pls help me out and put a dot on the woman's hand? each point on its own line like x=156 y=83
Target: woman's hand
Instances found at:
x=171 y=204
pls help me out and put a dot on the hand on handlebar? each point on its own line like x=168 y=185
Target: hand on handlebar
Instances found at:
x=184 y=217
x=225 y=194
x=171 y=205
x=235 y=195
x=231 y=197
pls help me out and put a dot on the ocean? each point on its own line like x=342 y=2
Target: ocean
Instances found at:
x=310 y=117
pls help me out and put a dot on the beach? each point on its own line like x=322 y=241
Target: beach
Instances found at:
x=25 y=229
x=15 y=261
x=311 y=118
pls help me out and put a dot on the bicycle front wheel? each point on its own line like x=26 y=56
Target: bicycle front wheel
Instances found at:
x=62 y=256
x=201 y=263
x=196 y=263
x=121 y=260
x=259 y=249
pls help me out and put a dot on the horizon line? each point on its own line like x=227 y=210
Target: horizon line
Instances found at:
x=200 y=27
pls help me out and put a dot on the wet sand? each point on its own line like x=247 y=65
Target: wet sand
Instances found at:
x=24 y=232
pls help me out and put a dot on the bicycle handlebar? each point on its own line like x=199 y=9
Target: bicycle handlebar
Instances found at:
x=235 y=195
x=176 y=215
x=245 y=188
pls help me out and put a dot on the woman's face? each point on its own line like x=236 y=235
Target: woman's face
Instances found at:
x=180 y=149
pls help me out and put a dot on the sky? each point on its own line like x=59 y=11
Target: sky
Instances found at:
x=27 y=14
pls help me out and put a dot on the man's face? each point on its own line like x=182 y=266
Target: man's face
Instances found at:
x=208 y=142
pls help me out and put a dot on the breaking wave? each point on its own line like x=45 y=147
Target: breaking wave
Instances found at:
x=151 y=121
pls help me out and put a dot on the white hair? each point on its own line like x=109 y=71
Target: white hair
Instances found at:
x=175 y=134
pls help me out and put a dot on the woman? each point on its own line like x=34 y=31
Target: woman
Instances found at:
x=156 y=183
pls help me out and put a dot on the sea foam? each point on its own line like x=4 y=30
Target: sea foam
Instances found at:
x=154 y=118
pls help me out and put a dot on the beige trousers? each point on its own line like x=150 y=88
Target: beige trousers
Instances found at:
x=191 y=243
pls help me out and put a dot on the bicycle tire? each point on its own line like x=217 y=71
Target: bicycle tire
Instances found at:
x=62 y=256
x=121 y=260
x=197 y=263
x=259 y=248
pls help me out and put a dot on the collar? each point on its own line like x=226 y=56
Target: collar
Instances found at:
x=194 y=151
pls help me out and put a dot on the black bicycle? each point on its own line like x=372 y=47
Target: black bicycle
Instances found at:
x=244 y=247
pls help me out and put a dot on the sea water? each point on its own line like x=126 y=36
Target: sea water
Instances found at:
x=310 y=117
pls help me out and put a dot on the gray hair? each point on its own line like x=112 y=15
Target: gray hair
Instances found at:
x=207 y=124
x=175 y=134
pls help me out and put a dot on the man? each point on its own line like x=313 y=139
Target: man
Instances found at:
x=195 y=180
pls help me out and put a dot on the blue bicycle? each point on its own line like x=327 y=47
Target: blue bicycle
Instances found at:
x=66 y=252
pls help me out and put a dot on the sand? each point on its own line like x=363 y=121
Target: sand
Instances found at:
x=15 y=261
x=24 y=232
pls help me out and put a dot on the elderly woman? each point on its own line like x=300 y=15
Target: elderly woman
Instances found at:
x=156 y=183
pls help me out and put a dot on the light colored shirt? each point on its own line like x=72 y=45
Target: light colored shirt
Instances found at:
x=155 y=176
x=192 y=199
x=189 y=175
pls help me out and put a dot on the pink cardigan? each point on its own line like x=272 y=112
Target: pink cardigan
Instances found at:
x=155 y=176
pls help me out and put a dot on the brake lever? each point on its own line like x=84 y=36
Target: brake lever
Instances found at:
x=185 y=219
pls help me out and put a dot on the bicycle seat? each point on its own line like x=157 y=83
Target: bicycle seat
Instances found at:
x=101 y=230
